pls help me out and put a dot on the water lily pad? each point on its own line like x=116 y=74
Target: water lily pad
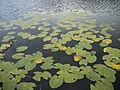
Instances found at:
x=26 y=86
x=10 y=85
x=70 y=78
x=37 y=76
x=18 y=55
x=55 y=81
x=1 y=56
x=7 y=38
x=38 y=54
x=41 y=28
x=11 y=33
x=46 y=75
x=48 y=38
x=48 y=46
x=30 y=65
x=83 y=62
x=21 y=48
x=70 y=51
x=91 y=59
x=102 y=85
x=108 y=73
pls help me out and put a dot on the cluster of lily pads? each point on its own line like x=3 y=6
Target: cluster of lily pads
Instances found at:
x=57 y=33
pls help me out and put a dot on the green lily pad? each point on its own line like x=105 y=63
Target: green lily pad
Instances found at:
x=70 y=51
x=30 y=65
x=18 y=55
x=54 y=40
x=91 y=59
x=108 y=73
x=38 y=54
x=9 y=85
x=21 y=48
x=83 y=62
x=93 y=76
x=46 y=75
x=11 y=33
x=55 y=81
x=37 y=76
x=41 y=28
x=70 y=78
x=48 y=38
x=102 y=85
x=48 y=46
x=26 y=86
x=1 y=56
x=54 y=34
x=7 y=38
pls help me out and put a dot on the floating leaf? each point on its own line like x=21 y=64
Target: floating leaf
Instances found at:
x=1 y=56
x=107 y=41
x=18 y=55
x=37 y=76
x=26 y=86
x=48 y=46
x=55 y=81
x=11 y=33
x=83 y=62
x=21 y=48
x=70 y=51
x=70 y=78
x=46 y=75
x=102 y=85
x=41 y=28
x=91 y=59
x=9 y=85
x=108 y=73
x=48 y=38
x=38 y=54
x=7 y=38
x=30 y=65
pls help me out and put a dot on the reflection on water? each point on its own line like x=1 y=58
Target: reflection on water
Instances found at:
x=10 y=9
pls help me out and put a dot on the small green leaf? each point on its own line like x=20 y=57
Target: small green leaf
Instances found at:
x=18 y=55
x=55 y=81
x=46 y=75
x=26 y=86
x=9 y=85
x=21 y=48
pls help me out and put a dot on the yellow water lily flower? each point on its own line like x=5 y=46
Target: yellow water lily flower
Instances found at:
x=77 y=58
x=61 y=47
x=58 y=45
x=117 y=67
x=38 y=60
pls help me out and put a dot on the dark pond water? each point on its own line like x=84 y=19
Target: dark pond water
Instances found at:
x=104 y=11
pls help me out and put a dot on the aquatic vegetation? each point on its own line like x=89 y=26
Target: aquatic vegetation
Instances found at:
x=74 y=34
x=105 y=42
x=117 y=67
x=21 y=48
x=77 y=58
